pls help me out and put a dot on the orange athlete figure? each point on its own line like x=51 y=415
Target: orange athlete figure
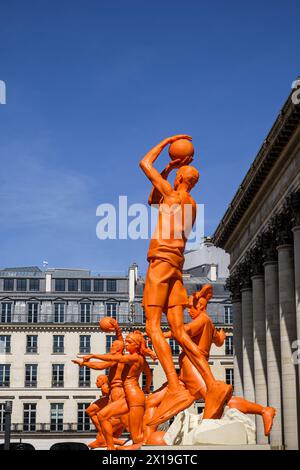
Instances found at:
x=110 y=417
x=201 y=328
x=164 y=290
x=134 y=364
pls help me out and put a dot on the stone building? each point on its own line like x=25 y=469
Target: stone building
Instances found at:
x=48 y=317
x=261 y=232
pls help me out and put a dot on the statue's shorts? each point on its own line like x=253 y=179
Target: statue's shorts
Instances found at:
x=164 y=286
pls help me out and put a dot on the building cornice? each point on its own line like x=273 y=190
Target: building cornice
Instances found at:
x=279 y=136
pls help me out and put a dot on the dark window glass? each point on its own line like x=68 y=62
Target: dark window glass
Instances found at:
x=57 y=375
x=29 y=417
x=98 y=285
x=84 y=377
x=60 y=285
x=4 y=375
x=85 y=313
x=22 y=284
x=144 y=381
x=6 y=310
x=31 y=375
x=111 y=309
x=58 y=344
x=34 y=284
x=229 y=376
x=85 y=285
x=5 y=344
x=109 y=341
x=111 y=285
x=33 y=310
x=31 y=344
x=85 y=344
x=59 y=313
x=83 y=421
x=229 y=346
x=57 y=417
x=2 y=416
x=174 y=347
x=8 y=284
x=228 y=314
x=73 y=285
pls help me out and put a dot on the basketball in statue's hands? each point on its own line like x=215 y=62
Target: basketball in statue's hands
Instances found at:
x=107 y=324
x=180 y=149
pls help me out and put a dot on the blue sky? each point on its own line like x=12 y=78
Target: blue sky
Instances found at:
x=92 y=85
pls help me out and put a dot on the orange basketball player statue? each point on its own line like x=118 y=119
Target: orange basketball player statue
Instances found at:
x=203 y=333
x=134 y=364
x=164 y=290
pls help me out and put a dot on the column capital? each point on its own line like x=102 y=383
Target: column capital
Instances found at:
x=233 y=285
x=294 y=202
x=269 y=245
x=285 y=246
x=256 y=257
x=282 y=224
x=245 y=272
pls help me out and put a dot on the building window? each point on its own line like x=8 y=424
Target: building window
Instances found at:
x=111 y=285
x=57 y=417
x=174 y=347
x=84 y=377
x=83 y=420
x=229 y=376
x=6 y=309
x=2 y=416
x=4 y=375
x=57 y=375
x=33 y=309
x=29 y=417
x=84 y=344
x=60 y=285
x=85 y=285
x=59 y=313
x=109 y=340
x=34 y=284
x=228 y=314
x=229 y=345
x=98 y=285
x=85 y=313
x=111 y=309
x=73 y=285
x=8 y=284
x=58 y=344
x=5 y=344
x=22 y=285
x=31 y=375
x=144 y=380
x=31 y=344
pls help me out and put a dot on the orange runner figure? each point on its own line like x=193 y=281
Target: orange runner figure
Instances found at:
x=134 y=364
x=164 y=290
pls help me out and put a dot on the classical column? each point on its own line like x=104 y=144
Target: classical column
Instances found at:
x=288 y=326
x=273 y=343
x=295 y=204
x=259 y=335
x=247 y=328
x=233 y=284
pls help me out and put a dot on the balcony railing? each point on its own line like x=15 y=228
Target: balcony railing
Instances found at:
x=49 y=427
x=124 y=319
x=30 y=383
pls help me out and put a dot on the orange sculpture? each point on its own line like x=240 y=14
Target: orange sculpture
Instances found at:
x=134 y=403
x=164 y=290
x=203 y=332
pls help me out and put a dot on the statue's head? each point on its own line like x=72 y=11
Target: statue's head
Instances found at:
x=102 y=383
x=117 y=347
x=188 y=175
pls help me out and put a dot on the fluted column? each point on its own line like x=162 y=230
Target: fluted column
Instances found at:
x=296 y=231
x=238 y=347
x=288 y=326
x=273 y=347
x=259 y=346
x=248 y=357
